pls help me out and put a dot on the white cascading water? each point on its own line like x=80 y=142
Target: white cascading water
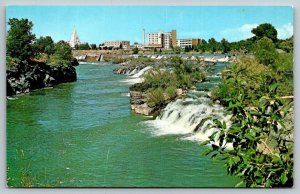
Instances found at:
x=184 y=115
x=131 y=72
x=142 y=72
x=136 y=75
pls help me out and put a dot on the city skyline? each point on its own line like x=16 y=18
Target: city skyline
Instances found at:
x=96 y=24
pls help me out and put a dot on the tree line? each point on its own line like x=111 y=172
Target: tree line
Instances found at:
x=243 y=46
x=22 y=44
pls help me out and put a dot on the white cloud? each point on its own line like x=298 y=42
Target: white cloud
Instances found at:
x=285 y=31
x=239 y=33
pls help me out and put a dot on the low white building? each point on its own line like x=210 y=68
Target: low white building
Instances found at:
x=182 y=43
x=118 y=44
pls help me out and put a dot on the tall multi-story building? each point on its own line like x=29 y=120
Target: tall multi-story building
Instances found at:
x=162 y=39
x=155 y=39
x=187 y=42
x=118 y=44
x=74 y=39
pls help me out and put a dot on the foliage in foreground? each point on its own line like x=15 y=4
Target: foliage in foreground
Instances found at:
x=262 y=123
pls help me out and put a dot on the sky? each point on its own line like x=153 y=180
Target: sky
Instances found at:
x=96 y=24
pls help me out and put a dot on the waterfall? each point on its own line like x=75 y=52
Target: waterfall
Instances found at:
x=142 y=72
x=183 y=117
x=131 y=72
x=136 y=75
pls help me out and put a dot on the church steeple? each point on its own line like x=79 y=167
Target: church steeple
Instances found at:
x=74 y=38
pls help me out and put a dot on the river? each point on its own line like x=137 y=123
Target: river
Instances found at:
x=83 y=134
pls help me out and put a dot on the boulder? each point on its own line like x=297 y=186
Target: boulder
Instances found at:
x=142 y=109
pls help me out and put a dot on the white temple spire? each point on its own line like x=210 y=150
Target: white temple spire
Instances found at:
x=74 y=39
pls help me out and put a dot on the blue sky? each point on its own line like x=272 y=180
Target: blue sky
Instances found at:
x=95 y=24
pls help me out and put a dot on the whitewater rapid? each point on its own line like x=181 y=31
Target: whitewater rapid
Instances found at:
x=183 y=116
x=136 y=75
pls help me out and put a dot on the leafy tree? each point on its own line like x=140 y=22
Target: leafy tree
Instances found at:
x=135 y=50
x=203 y=46
x=265 y=30
x=44 y=45
x=20 y=39
x=225 y=46
x=63 y=51
x=212 y=45
x=186 y=49
x=93 y=46
x=265 y=51
x=85 y=46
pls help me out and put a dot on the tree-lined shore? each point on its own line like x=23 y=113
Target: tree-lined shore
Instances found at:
x=35 y=63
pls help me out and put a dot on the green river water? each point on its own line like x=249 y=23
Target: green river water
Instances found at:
x=83 y=134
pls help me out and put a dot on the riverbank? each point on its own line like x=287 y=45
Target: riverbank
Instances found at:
x=26 y=76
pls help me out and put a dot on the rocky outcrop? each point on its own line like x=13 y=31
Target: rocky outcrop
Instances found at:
x=26 y=76
x=138 y=103
x=138 y=100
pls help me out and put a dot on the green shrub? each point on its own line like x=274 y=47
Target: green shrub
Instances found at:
x=155 y=98
x=135 y=50
x=262 y=123
x=265 y=51
x=171 y=92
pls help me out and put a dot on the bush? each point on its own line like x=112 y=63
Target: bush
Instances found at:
x=155 y=98
x=62 y=55
x=265 y=51
x=135 y=50
x=171 y=92
x=262 y=154
x=262 y=124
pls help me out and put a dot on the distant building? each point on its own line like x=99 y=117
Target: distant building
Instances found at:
x=155 y=39
x=74 y=39
x=118 y=44
x=162 y=39
x=187 y=42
